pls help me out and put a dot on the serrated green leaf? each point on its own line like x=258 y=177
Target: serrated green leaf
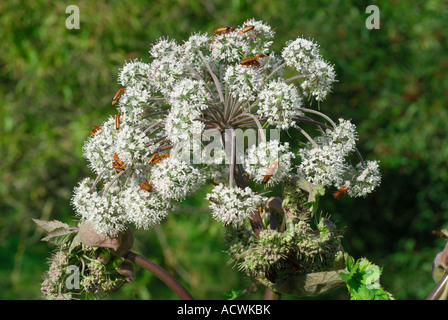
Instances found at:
x=350 y=262
x=351 y=268
x=59 y=236
x=76 y=241
x=233 y=294
x=363 y=280
x=50 y=226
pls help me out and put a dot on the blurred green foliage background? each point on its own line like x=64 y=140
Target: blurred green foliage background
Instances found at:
x=57 y=83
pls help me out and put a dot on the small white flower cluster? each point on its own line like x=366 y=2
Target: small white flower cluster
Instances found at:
x=279 y=103
x=304 y=56
x=233 y=206
x=134 y=73
x=243 y=83
x=128 y=143
x=188 y=99
x=367 y=179
x=269 y=163
x=110 y=213
x=327 y=164
x=175 y=179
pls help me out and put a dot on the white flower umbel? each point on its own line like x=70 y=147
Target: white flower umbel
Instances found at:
x=271 y=161
x=304 y=56
x=279 y=103
x=187 y=100
x=134 y=100
x=190 y=95
x=165 y=72
x=366 y=179
x=175 y=179
x=197 y=42
x=301 y=54
x=134 y=72
x=179 y=128
x=233 y=205
x=242 y=82
x=320 y=80
x=129 y=143
x=112 y=212
x=261 y=35
x=144 y=209
x=229 y=47
x=324 y=165
x=106 y=213
x=328 y=163
x=344 y=135
x=184 y=99
x=165 y=48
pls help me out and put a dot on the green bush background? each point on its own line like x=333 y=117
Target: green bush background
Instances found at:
x=57 y=83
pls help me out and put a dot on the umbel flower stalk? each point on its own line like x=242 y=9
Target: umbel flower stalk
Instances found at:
x=180 y=119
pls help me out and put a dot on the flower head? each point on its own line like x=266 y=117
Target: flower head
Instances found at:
x=233 y=205
x=279 y=103
x=271 y=161
x=227 y=81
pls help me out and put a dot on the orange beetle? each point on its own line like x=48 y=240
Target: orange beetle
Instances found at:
x=118 y=164
x=155 y=158
x=95 y=130
x=225 y=29
x=146 y=186
x=246 y=29
x=117 y=95
x=340 y=192
x=270 y=171
x=155 y=155
x=440 y=234
x=260 y=211
x=117 y=122
x=252 y=61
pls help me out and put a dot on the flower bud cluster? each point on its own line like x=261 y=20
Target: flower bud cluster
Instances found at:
x=297 y=249
x=82 y=272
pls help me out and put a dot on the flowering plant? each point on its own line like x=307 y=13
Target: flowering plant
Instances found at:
x=182 y=122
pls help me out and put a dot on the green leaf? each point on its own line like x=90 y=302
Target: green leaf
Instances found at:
x=362 y=280
x=233 y=294
x=351 y=268
x=59 y=236
x=314 y=192
x=350 y=262
x=50 y=226
x=75 y=242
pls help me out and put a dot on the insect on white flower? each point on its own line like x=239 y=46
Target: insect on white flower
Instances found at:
x=188 y=97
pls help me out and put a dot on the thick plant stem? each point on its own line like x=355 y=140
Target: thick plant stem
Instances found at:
x=271 y=295
x=440 y=290
x=160 y=273
x=255 y=221
x=241 y=182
